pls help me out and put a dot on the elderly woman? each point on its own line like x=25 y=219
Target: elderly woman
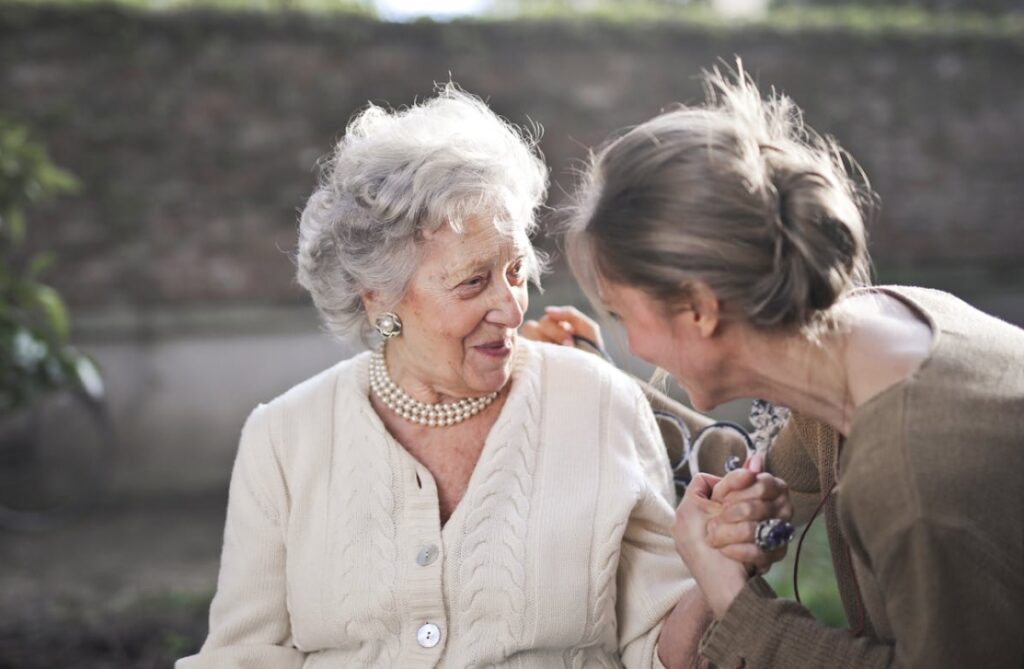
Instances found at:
x=456 y=497
x=729 y=242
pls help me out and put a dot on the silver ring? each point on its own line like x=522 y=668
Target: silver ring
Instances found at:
x=772 y=533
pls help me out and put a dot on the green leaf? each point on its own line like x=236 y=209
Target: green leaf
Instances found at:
x=54 y=180
x=15 y=223
x=40 y=263
x=56 y=313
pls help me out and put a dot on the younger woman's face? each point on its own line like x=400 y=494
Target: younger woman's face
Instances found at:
x=671 y=339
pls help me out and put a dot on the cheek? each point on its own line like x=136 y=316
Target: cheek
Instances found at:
x=522 y=297
x=461 y=319
x=642 y=343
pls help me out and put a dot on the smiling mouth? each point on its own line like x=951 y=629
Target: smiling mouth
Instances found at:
x=499 y=348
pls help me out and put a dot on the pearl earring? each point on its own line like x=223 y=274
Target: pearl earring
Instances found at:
x=388 y=324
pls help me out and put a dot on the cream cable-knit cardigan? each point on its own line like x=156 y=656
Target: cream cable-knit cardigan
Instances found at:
x=558 y=555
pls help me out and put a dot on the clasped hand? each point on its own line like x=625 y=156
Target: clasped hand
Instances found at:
x=716 y=524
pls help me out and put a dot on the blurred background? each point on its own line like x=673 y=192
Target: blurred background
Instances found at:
x=154 y=156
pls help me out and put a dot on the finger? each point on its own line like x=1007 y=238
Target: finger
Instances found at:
x=765 y=486
x=701 y=486
x=755 y=463
x=751 y=554
x=697 y=499
x=720 y=534
x=756 y=510
x=785 y=511
x=581 y=323
x=734 y=511
x=530 y=330
x=558 y=332
x=736 y=480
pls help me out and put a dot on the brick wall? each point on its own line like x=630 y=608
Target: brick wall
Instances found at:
x=196 y=134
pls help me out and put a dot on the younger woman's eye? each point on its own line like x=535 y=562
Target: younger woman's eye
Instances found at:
x=615 y=317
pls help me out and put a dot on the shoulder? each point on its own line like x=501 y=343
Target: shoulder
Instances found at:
x=300 y=422
x=585 y=391
x=571 y=367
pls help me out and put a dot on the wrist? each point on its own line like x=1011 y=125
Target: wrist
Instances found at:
x=724 y=590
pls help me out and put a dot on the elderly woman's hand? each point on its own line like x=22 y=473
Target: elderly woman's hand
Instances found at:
x=559 y=324
x=748 y=496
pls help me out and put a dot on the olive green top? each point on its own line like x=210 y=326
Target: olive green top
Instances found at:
x=926 y=524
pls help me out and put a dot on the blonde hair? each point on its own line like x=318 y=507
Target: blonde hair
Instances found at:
x=737 y=193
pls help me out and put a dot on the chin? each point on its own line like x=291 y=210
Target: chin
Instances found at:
x=702 y=404
x=492 y=380
x=491 y=374
x=700 y=401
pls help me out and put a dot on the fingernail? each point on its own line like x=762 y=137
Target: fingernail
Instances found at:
x=756 y=463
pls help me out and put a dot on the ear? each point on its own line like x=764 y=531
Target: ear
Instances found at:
x=706 y=309
x=372 y=305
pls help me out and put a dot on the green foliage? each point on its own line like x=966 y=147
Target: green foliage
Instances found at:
x=359 y=7
x=992 y=19
x=818 y=589
x=873 y=17
x=35 y=356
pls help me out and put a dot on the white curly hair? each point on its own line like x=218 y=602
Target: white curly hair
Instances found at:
x=398 y=174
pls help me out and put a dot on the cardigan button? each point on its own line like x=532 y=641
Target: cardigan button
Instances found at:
x=428 y=635
x=427 y=555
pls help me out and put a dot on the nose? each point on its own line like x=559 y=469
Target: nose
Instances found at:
x=508 y=306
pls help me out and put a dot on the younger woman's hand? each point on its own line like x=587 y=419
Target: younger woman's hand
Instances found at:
x=748 y=496
x=559 y=324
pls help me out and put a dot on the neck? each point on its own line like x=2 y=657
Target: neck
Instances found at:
x=402 y=371
x=406 y=374
x=789 y=370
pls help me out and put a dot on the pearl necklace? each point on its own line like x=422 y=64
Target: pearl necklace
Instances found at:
x=432 y=415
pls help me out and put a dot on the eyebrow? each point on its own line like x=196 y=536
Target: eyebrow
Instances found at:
x=476 y=264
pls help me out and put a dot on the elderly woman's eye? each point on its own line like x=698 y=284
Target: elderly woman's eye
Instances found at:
x=473 y=282
x=518 y=271
x=614 y=316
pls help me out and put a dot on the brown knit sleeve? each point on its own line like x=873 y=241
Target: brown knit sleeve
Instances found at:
x=761 y=630
x=790 y=458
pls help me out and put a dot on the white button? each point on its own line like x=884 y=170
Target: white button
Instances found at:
x=427 y=555
x=428 y=635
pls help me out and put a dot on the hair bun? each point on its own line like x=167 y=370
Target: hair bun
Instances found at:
x=818 y=244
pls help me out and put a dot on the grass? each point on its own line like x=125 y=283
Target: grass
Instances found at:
x=818 y=589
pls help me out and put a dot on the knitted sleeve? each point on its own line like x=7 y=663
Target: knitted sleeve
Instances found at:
x=929 y=599
x=790 y=458
x=761 y=630
x=651 y=576
x=249 y=623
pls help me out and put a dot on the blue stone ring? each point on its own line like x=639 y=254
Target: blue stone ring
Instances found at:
x=772 y=534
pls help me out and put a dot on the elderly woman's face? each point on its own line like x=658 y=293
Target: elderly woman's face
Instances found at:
x=461 y=311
